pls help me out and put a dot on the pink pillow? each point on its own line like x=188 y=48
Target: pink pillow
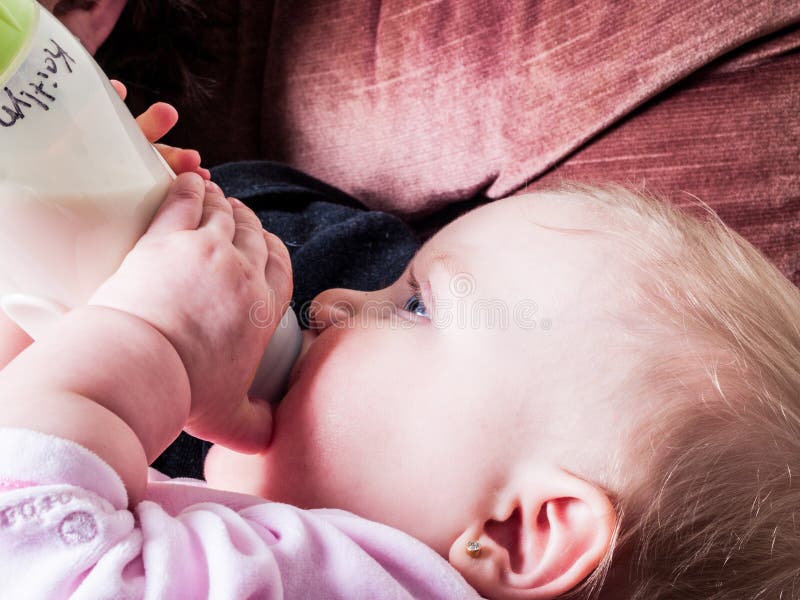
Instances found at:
x=729 y=135
x=411 y=105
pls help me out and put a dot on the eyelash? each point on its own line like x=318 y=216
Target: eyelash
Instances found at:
x=410 y=305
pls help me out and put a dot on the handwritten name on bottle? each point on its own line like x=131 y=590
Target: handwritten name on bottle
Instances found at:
x=38 y=95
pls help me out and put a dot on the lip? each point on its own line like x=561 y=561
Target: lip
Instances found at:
x=308 y=338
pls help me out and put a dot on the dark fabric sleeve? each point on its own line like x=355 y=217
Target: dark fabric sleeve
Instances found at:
x=333 y=242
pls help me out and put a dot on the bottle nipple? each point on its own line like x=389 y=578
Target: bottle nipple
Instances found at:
x=272 y=375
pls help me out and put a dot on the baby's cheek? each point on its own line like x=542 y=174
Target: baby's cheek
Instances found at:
x=343 y=362
x=322 y=408
x=324 y=426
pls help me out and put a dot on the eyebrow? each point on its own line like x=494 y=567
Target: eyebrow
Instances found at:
x=439 y=257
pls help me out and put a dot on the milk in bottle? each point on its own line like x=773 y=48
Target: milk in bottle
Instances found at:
x=79 y=182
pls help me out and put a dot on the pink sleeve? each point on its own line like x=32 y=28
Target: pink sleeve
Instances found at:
x=65 y=529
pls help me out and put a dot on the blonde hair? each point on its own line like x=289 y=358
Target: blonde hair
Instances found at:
x=717 y=515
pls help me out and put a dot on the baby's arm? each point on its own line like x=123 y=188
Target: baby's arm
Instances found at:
x=115 y=377
x=167 y=342
x=155 y=123
x=106 y=380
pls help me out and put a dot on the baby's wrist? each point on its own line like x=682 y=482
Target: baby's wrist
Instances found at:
x=138 y=374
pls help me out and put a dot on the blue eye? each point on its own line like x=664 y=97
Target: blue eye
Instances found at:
x=415 y=306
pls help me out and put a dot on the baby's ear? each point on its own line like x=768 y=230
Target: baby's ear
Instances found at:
x=90 y=20
x=543 y=535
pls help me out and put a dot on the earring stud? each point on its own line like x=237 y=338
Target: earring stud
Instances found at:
x=474 y=548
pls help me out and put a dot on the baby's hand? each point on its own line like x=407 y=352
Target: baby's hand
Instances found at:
x=195 y=274
x=155 y=123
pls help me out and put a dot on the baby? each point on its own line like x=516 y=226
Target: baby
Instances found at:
x=581 y=393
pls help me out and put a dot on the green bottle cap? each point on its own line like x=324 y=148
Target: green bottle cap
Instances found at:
x=17 y=24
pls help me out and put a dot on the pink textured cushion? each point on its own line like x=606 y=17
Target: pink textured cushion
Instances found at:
x=413 y=105
x=730 y=135
x=410 y=105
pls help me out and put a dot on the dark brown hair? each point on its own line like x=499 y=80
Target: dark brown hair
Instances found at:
x=153 y=50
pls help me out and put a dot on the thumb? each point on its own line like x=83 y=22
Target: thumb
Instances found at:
x=278 y=270
x=182 y=208
x=246 y=429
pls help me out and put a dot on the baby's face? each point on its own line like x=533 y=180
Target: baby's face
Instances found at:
x=411 y=408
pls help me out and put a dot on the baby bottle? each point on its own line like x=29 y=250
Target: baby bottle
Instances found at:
x=79 y=182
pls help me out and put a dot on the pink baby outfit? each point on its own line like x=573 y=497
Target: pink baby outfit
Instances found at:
x=65 y=531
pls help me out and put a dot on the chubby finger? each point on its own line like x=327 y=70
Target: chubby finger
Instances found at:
x=182 y=208
x=120 y=88
x=217 y=212
x=248 y=238
x=247 y=428
x=278 y=271
x=157 y=120
x=181 y=160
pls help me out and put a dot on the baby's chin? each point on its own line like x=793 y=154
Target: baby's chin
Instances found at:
x=263 y=474
x=279 y=473
x=232 y=471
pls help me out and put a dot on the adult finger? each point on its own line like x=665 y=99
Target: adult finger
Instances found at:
x=182 y=208
x=157 y=120
x=217 y=212
x=248 y=238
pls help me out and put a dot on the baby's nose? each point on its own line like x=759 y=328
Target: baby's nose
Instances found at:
x=334 y=307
